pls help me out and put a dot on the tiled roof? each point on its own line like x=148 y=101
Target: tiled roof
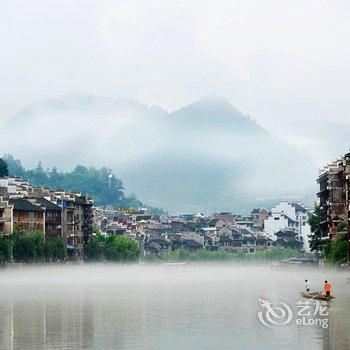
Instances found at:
x=24 y=205
x=299 y=207
x=47 y=204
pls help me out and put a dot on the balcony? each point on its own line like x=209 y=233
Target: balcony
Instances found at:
x=53 y=220
x=53 y=232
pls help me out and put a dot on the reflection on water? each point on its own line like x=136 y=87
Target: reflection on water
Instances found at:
x=145 y=307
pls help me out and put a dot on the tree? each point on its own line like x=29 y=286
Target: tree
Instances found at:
x=55 y=249
x=335 y=252
x=4 y=171
x=14 y=165
x=122 y=249
x=342 y=226
x=95 y=249
x=315 y=241
x=55 y=178
x=28 y=246
x=105 y=187
x=5 y=248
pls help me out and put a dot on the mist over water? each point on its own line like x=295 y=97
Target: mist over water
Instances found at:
x=162 y=307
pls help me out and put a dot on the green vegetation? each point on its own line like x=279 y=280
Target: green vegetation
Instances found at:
x=273 y=254
x=5 y=249
x=94 y=250
x=55 y=249
x=99 y=183
x=315 y=236
x=112 y=248
x=3 y=168
x=28 y=246
x=120 y=248
x=335 y=251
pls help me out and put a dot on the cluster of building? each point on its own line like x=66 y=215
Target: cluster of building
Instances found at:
x=285 y=225
x=54 y=213
x=334 y=197
x=72 y=216
x=157 y=234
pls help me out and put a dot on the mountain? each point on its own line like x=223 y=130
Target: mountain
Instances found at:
x=206 y=156
x=73 y=128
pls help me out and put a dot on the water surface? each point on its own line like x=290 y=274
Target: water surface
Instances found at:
x=157 y=307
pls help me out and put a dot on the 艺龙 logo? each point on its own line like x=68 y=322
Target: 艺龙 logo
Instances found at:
x=274 y=315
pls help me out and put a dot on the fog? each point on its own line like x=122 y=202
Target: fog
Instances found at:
x=284 y=64
x=152 y=307
x=277 y=61
x=104 y=274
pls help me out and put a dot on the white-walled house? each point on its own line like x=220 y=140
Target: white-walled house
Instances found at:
x=292 y=216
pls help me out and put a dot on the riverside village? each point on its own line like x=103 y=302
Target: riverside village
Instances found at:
x=39 y=224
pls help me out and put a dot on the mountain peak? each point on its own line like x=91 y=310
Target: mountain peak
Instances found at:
x=214 y=104
x=213 y=100
x=213 y=111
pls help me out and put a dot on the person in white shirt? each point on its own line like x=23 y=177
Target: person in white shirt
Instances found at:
x=307 y=286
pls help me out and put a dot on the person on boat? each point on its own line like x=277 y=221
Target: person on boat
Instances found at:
x=307 y=286
x=327 y=288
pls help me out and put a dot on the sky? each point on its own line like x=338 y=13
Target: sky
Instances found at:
x=277 y=61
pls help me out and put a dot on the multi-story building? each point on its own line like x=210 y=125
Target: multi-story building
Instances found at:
x=287 y=239
x=6 y=217
x=290 y=216
x=14 y=186
x=55 y=214
x=88 y=218
x=53 y=217
x=240 y=239
x=77 y=221
x=259 y=215
x=334 y=195
x=26 y=215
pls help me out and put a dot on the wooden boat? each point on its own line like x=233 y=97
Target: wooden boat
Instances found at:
x=317 y=296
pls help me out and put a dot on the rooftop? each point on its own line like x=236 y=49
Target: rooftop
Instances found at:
x=47 y=204
x=24 y=205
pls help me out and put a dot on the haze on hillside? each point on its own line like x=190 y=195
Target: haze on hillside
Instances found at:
x=80 y=82
x=206 y=156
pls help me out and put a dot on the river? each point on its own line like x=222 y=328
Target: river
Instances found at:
x=169 y=307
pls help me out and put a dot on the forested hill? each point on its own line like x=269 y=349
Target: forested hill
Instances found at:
x=205 y=157
x=99 y=183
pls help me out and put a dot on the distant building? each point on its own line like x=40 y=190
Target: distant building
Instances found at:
x=288 y=239
x=259 y=215
x=188 y=241
x=292 y=217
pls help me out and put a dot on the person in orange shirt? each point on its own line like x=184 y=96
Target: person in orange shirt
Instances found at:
x=327 y=288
